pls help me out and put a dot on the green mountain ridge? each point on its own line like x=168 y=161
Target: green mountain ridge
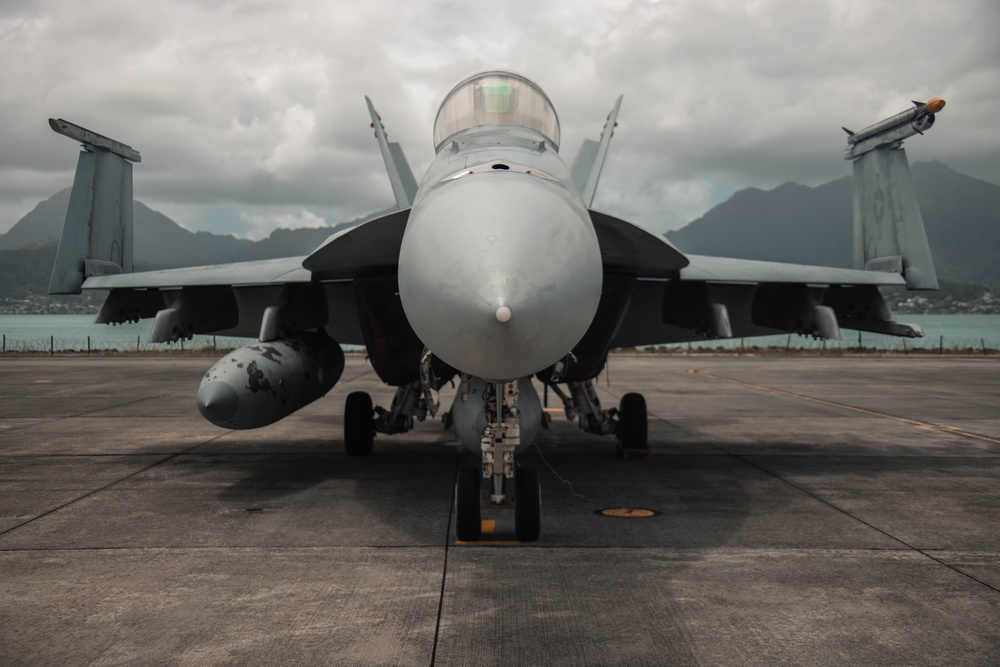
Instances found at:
x=162 y=243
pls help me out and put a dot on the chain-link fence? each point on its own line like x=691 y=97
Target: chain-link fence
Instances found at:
x=52 y=334
x=13 y=344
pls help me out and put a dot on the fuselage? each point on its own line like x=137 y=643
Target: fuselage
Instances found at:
x=500 y=268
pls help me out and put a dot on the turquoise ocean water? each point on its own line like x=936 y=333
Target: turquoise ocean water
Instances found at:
x=71 y=332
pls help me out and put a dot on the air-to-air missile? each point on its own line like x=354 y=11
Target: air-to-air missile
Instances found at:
x=259 y=384
x=916 y=120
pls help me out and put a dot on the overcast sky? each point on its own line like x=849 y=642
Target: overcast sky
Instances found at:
x=250 y=115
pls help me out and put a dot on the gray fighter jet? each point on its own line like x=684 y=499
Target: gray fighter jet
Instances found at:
x=494 y=272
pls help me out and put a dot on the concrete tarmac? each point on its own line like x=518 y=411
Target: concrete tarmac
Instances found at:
x=809 y=511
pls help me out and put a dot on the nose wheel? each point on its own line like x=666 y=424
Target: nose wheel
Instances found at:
x=468 y=507
x=528 y=507
x=500 y=441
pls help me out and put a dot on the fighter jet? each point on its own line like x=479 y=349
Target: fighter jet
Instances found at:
x=494 y=273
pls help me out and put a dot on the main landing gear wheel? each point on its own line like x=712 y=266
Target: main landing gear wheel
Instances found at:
x=359 y=429
x=468 y=518
x=528 y=508
x=632 y=427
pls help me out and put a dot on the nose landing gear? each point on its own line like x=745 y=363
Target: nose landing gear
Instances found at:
x=500 y=441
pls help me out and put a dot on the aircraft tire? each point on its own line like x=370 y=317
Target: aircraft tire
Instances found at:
x=528 y=509
x=468 y=517
x=359 y=434
x=633 y=430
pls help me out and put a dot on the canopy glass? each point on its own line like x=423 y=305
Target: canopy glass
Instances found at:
x=496 y=98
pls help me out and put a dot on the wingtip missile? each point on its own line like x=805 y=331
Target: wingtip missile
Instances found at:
x=935 y=104
x=93 y=140
x=892 y=130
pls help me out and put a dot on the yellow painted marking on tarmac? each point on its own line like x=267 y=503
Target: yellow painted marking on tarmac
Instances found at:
x=43 y=381
x=488 y=527
x=872 y=413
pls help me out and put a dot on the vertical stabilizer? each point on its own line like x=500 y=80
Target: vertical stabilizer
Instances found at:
x=404 y=186
x=584 y=162
x=888 y=228
x=97 y=234
x=590 y=160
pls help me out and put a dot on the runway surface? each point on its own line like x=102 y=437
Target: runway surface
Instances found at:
x=821 y=511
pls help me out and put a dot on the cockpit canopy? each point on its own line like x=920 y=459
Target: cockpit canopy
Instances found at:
x=496 y=98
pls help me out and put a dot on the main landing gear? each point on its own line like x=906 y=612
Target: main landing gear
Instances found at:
x=359 y=428
x=628 y=422
x=499 y=443
x=362 y=420
x=633 y=426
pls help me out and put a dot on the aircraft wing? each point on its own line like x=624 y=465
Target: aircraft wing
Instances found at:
x=263 y=299
x=719 y=298
x=369 y=247
x=261 y=272
x=725 y=269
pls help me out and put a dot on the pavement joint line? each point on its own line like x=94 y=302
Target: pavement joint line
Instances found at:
x=444 y=569
x=108 y=485
x=872 y=413
x=907 y=545
x=112 y=407
x=354 y=377
x=87 y=414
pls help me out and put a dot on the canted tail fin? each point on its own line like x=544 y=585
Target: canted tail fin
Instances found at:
x=888 y=228
x=404 y=186
x=97 y=234
x=589 y=161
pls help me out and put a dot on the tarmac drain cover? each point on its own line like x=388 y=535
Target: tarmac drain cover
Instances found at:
x=627 y=512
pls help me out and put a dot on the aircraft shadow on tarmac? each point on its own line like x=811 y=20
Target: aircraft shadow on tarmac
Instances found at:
x=790 y=495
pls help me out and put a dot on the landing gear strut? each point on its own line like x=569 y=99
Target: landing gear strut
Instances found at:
x=499 y=442
x=628 y=422
x=411 y=402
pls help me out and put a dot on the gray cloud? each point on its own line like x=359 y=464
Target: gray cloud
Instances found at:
x=251 y=114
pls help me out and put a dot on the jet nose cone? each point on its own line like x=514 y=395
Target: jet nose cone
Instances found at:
x=218 y=402
x=500 y=273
